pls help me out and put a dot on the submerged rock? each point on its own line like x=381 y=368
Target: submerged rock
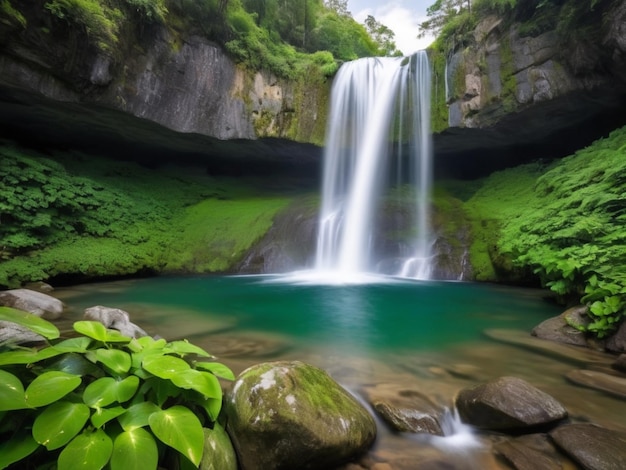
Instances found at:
x=530 y=452
x=599 y=381
x=114 y=318
x=593 y=447
x=406 y=410
x=287 y=415
x=617 y=342
x=620 y=363
x=37 y=303
x=508 y=404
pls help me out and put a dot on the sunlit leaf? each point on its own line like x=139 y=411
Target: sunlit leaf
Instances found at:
x=59 y=423
x=76 y=345
x=87 y=451
x=217 y=369
x=165 y=367
x=27 y=356
x=179 y=428
x=101 y=416
x=203 y=382
x=107 y=390
x=134 y=450
x=50 y=387
x=30 y=321
x=11 y=392
x=137 y=415
x=92 y=329
x=183 y=348
x=116 y=360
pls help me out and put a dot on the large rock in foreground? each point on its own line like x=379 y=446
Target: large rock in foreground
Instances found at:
x=34 y=302
x=286 y=415
x=508 y=404
x=593 y=447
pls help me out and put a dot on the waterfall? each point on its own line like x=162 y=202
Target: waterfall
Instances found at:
x=379 y=122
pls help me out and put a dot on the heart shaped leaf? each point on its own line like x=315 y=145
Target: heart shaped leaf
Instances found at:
x=50 y=387
x=59 y=423
x=11 y=392
x=134 y=450
x=87 y=451
x=179 y=428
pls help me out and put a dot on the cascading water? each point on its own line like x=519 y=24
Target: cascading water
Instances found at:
x=379 y=121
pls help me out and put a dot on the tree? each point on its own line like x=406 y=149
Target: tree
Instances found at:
x=338 y=6
x=440 y=13
x=382 y=36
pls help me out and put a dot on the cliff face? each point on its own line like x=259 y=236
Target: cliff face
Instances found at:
x=510 y=96
x=185 y=83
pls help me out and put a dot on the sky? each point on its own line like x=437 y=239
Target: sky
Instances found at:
x=401 y=16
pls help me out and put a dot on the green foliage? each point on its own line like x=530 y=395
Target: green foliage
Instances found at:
x=152 y=10
x=103 y=399
x=566 y=224
x=99 y=22
x=85 y=216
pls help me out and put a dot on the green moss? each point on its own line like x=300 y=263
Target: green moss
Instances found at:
x=213 y=235
x=507 y=77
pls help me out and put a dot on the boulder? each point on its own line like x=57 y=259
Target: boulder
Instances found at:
x=286 y=415
x=530 y=452
x=114 y=318
x=560 y=329
x=219 y=453
x=508 y=404
x=37 y=303
x=593 y=447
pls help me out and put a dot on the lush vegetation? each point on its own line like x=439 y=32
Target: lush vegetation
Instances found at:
x=103 y=399
x=71 y=214
x=564 y=223
x=284 y=36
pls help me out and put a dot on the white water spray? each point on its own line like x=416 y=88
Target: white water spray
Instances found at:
x=379 y=120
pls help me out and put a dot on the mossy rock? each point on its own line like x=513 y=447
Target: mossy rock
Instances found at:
x=285 y=415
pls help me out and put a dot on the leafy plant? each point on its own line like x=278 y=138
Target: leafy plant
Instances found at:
x=564 y=223
x=103 y=399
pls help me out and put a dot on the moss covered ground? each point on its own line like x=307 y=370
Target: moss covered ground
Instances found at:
x=68 y=214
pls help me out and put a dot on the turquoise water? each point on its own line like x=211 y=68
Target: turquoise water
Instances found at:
x=386 y=315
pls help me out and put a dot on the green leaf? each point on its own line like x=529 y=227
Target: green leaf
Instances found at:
x=114 y=336
x=183 y=348
x=180 y=429
x=73 y=345
x=17 y=448
x=92 y=329
x=11 y=392
x=203 y=382
x=107 y=390
x=165 y=367
x=27 y=356
x=116 y=360
x=30 y=321
x=137 y=415
x=59 y=423
x=217 y=369
x=134 y=450
x=101 y=416
x=87 y=451
x=50 y=387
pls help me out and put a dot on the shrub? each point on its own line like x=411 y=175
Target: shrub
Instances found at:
x=104 y=399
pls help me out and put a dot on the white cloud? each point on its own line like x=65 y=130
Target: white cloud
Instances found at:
x=402 y=21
